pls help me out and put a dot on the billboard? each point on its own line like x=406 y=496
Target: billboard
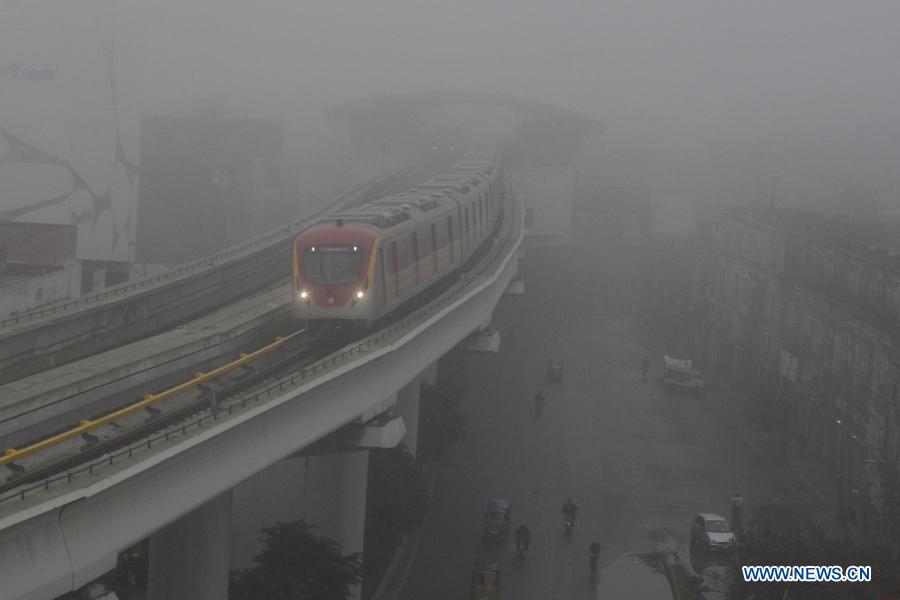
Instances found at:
x=69 y=120
x=37 y=244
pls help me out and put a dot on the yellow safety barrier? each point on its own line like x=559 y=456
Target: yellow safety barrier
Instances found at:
x=12 y=454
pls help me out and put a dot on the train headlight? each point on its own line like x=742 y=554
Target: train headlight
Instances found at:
x=304 y=294
x=360 y=295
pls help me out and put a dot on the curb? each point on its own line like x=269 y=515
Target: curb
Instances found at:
x=396 y=573
x=667 y=564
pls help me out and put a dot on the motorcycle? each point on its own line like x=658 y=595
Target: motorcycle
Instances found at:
x=521 y=546
x=568 y=522
x=538 y=407
x=593 y=560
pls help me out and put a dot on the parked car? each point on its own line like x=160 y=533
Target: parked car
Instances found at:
x=680 y=373
x=712 y=531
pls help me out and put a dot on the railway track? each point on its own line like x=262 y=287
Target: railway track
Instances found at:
x=302 y=353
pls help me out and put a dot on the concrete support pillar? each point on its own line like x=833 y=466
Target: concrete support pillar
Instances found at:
x=408 y=407
x=327 y=491
x=348 y=512
x=429 y=375
x=190 y=557
x=336 y=499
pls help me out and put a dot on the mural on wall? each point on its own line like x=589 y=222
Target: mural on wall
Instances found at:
x=68 y=137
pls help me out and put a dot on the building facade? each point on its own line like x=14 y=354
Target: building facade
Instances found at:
x=805 y=315
x=70 y=98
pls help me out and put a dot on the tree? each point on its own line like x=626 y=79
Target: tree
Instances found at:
x=296 y=564
x=770 y=543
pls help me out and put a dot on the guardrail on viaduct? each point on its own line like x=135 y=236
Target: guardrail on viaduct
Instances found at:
x=69 y=330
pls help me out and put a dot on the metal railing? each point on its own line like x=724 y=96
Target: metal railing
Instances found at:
x=298 y=378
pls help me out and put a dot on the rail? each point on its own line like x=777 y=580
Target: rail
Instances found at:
x=270 y=237
x=293 y=380
x=12 y=454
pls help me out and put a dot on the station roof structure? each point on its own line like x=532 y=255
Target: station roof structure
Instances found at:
x=364 y=108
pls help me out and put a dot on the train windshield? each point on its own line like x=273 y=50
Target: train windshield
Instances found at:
x=332 y=264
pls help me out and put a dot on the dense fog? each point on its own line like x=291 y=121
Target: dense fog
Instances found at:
x=709 y=98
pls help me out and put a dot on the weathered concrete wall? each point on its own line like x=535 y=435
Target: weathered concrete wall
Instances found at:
x=40 y=290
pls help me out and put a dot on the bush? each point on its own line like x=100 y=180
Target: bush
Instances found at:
x=296 y=564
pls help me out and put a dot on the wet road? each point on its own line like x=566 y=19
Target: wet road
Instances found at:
x=638 y=461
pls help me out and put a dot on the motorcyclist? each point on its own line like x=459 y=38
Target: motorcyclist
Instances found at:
x=737 y=508
x=594 y=556
x=539 y=402
x=645 y=367
x=523 y=536
x=570 y=510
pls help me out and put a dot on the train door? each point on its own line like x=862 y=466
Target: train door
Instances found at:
x=483 y=214
x=415 y=245
x=395 y=269
x=382 y=267
x=466 y=234
x=434 y=251
x=450 y=240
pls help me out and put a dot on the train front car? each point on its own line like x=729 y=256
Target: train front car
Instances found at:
x=333 y=266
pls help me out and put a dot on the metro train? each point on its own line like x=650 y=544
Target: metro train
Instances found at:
x=356 y=266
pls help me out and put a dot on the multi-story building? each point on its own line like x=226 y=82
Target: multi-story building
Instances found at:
x=804 y=312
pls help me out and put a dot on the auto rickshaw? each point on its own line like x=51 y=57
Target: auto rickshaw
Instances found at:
x=555 y=369
x=486 y=581
x=496 y=519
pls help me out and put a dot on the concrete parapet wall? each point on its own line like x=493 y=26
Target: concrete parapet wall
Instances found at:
x=40 y=290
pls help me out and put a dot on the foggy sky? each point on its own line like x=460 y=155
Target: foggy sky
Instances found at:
x=710 y=97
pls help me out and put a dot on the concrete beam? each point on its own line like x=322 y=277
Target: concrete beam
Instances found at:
x=408 y=408
x=486 y=340
x=385 y=431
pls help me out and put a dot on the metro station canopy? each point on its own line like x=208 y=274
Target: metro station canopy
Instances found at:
x=549 y=134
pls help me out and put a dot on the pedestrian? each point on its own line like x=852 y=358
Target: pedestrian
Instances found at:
x=737 y=509
x=801 y=441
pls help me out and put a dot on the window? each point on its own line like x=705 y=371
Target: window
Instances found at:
x=332 y=263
